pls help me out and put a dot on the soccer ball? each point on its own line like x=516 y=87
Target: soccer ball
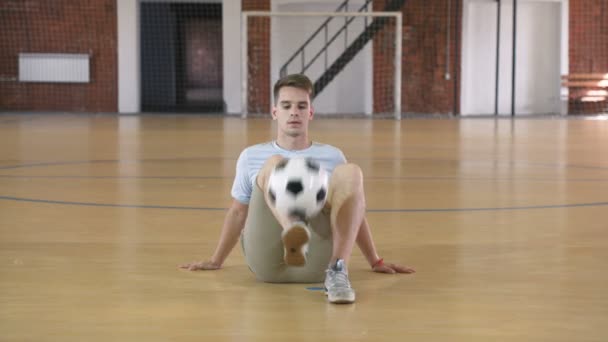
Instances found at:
x=298 y=188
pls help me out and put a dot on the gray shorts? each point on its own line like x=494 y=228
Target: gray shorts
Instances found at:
x=263 y=247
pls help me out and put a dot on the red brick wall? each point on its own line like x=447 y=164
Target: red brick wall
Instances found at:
x=588 y=45
x=258 y=57
x=59 y=26
x=588 y=36
x=424 y=87
x=384 y=65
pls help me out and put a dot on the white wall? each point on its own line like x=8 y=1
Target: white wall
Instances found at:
x=351 y=91
x=542 y=50
x=478 y=57
x=538 y=81
x=128 y=56
x=231 y=30
x=564 y=53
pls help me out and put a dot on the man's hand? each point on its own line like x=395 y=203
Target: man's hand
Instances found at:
x=385 y=267
x=201 y=266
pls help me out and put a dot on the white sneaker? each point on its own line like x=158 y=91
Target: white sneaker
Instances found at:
x=337 y=285
x=295 y=244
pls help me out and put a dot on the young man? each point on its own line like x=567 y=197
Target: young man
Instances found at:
x=285 y=249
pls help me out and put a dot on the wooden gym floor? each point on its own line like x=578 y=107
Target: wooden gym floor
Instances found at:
x=505 y=221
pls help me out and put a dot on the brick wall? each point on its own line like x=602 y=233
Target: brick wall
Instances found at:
x=64 y=26
x=424 y=87
x=384 y=65
x=59 y=26
x=258 y=57
x=588 y=45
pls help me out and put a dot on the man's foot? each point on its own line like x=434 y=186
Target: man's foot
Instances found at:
x=295 y=244
x=337 y=285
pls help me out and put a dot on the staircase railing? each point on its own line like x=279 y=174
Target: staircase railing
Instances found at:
x=328 y=41
x=355 y=47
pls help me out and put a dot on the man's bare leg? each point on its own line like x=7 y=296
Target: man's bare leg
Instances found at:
x=296 y=233
x=346 y=199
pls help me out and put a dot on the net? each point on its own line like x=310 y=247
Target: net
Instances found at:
x=181 y=57
x=457 y=57
x=586 y=83
x=58 y=55
x=351 y=59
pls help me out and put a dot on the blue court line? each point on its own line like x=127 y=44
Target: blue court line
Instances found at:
x=422 y=210
x=556 y=206
x=101 y=161
x=7 y=121
x=120 y=177
x=419 y=178
x=112 y=205
x=515 y=163
x=315 y=288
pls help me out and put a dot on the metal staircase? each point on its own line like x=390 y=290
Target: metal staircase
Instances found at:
x=350 y=51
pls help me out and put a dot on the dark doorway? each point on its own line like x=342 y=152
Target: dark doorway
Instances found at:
x=181 y=57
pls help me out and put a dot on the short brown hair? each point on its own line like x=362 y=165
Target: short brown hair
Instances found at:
x=294 y=80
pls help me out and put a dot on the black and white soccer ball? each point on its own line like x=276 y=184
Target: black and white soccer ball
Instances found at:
x=298 y=188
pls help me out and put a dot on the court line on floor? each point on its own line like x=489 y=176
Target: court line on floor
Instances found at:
x=218 y=209
x=421 y=210
x=101 y=161
x=417 y=178
x=111 y=205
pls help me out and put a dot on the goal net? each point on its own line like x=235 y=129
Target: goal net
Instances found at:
x=351 y=57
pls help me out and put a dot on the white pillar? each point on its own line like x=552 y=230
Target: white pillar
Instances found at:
x=128 y=56
x=231 y=31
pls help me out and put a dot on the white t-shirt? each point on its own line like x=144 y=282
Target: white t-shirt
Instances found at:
x=253 y=158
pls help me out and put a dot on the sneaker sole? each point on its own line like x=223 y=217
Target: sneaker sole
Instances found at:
x=339 y=300
x=293 y=242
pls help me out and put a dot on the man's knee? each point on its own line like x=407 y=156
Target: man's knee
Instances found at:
x=274 y=160
x=349 y=172
x=346 y=183
x=267 y=168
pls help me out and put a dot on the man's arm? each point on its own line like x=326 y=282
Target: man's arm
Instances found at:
x=367 y=247
x=231 y=231
x=366 y=243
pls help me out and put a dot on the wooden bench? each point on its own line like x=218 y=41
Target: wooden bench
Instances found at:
x=586 y=87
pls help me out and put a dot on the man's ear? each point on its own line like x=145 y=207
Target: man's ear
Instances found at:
x=273 y=113
x=312 y=112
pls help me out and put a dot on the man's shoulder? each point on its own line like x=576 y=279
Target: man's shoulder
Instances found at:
x=261 y=147
x=326 y=147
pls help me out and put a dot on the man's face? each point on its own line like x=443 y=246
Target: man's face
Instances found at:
x=292 y=111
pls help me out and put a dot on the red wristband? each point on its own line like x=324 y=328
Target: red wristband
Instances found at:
x=380 y=262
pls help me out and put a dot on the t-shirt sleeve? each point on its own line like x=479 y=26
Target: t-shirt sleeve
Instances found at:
x=340 y=157
x=241 y=188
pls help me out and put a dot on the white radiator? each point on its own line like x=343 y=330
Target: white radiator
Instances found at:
x=54 y=67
